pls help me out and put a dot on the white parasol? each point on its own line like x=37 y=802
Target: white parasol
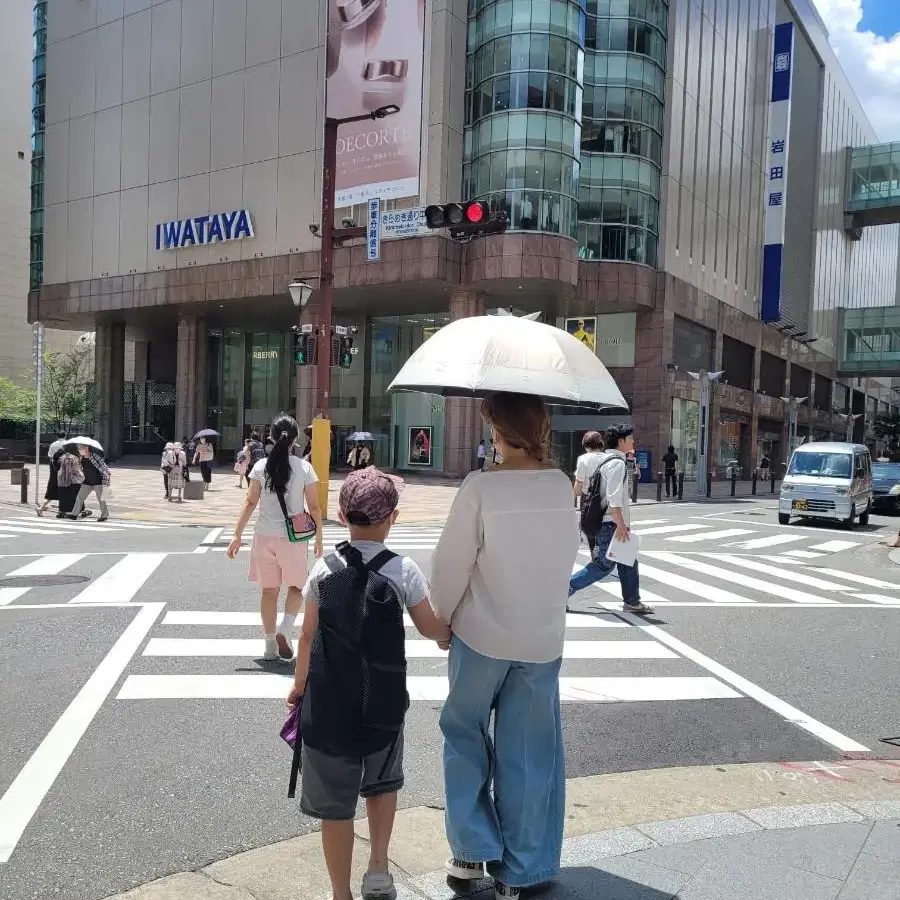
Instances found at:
x=85 y=442
x=482 y=355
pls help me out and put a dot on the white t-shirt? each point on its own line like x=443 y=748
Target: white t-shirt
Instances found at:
x=401 y=571
x=500 y=572
x=269 y=517
x=587 y=465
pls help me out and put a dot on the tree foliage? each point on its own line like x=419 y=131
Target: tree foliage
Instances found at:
x=64 y=403
x=17 y=403
x=888 y=427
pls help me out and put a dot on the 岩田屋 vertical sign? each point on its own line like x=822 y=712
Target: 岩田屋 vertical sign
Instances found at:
x=777 y=172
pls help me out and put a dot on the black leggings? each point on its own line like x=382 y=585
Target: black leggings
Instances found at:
x=672 y=481
x=206 y=471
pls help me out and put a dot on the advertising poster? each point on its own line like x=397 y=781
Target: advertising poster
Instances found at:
x=585 y=329
x=375 y=59
x=419 y=446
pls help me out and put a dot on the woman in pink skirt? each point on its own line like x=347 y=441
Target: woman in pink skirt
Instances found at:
x=274 y=560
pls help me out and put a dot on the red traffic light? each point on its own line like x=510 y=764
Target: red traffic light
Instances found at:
x=476 y=212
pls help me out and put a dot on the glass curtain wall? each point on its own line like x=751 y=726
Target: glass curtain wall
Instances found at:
x=38 y=101
x=524 y=79
x=622 y=129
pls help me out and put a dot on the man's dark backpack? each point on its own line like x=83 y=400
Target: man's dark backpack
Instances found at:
x=355 y=698
x=594 y=503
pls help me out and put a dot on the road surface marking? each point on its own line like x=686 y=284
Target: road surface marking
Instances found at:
x=47 y=565
x=251 y=619
x=8 y=595
x=212 y=535
x=697 y=588
x=858 y=579
x=771 y=541
x=878 y=598
x=711 y=535
x=751 y=604
x=121 y=582
x=754 y=692
x=803 y=554
x=24 y=796
x=12 y=530
x=756 y=584
x=669 y=529
x=267 y=685
x=641 y=522
x=48 y=525
x=415 y=648
x=795 y=577
x=834 y=546
x=615 y=589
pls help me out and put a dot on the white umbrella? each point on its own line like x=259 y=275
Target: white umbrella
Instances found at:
x=86 y=442
x=483 y=355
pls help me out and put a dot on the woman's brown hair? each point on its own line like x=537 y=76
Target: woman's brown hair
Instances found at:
x=522 y=421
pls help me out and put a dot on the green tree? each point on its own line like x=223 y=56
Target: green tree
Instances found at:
x=888 y=427
x=17 y=403
x=64 y=404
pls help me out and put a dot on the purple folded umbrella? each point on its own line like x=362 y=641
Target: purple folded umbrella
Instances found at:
x=290 y=731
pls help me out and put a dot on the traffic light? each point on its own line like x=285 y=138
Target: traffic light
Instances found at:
x=304 y=348
x=345 y=359
x=466 y=219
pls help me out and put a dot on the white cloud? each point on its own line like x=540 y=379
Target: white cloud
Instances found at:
x=871 y=62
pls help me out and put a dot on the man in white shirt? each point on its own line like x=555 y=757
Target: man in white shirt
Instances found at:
x=593 y=455
x=616 y=524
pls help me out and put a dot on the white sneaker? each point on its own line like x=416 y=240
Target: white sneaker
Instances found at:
x=271 y=651
x=464 y=871
x=378 y=886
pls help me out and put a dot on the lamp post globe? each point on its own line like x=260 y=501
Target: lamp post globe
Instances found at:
x=300 y=293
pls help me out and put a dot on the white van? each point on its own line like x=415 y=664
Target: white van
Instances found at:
x=828 y=481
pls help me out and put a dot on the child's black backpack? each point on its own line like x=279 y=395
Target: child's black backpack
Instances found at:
x=355 y=698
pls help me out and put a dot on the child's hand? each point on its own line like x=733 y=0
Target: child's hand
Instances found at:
x=444 y=645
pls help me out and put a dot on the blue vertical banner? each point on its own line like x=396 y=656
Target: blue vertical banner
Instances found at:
x=777 y=171
x=373 y=233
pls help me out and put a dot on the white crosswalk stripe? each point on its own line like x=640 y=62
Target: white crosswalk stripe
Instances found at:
x=617 y=643
x=663 y=584
x=402 y=538
x=49 y=525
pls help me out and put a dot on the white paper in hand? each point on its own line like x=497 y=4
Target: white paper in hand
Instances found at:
x=624 y=553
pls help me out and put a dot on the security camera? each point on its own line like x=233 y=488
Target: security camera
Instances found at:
x=313 y=229
x=348 y=222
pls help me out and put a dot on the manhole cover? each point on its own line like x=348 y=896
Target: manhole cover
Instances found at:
x=28 y=581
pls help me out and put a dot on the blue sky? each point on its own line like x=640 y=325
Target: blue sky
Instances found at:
x=881 y=16
x=866 y=37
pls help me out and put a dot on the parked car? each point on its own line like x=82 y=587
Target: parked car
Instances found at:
x=886 y=486
x=828 y=481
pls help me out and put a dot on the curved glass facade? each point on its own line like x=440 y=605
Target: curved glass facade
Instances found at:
x=622 y=129
x=524 y=81
x=38 y=101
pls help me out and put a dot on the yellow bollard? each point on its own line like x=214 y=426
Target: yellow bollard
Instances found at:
x=321 y=459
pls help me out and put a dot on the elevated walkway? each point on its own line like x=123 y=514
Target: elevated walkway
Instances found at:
x=870 y=342
x=873 y=186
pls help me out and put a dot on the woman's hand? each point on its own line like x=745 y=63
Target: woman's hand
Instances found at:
x=317 y=545
x=233 y=548
x=294 y=697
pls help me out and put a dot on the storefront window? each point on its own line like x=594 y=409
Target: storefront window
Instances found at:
x=409 y=427
x=685 y=434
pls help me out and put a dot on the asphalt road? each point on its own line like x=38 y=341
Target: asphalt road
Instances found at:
x=126 y=784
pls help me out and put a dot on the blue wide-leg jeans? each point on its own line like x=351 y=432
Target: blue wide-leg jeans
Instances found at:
x=505 y=795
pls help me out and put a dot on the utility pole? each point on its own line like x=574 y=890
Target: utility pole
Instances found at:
x=706 y=379
x=38 y=348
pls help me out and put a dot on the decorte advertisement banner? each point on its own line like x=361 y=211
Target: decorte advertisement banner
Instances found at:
x=375 y=59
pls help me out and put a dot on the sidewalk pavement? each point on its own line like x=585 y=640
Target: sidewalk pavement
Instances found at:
x=776 y=831
x=136 y=493
x=721 y=490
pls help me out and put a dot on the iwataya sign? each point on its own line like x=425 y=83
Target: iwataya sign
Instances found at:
x=208 y=229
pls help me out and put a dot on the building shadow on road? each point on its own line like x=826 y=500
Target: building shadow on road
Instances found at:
x=618 y=878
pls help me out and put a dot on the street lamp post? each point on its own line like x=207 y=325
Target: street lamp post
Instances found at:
x=706 y=379
x=330 y=236
x=793 y=404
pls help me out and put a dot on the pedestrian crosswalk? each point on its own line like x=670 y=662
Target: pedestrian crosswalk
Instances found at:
x=598 y=651
x=402 y=539
x=49 y=525
x=723 y=536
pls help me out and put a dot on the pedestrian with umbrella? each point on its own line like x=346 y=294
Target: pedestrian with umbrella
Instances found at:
x=96 y=477
x=52 y=491
x=205 y=453
x=500 y=579
x=361 y=455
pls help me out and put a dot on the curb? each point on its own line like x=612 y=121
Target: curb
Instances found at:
x=607 y=816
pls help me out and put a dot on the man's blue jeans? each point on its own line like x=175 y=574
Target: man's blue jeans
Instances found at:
x=506 y=790
x=599 y=567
